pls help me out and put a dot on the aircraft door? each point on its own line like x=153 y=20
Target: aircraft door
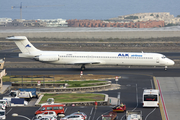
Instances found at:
x=157 y=60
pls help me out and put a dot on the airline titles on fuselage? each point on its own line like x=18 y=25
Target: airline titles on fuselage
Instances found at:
x=127 y=55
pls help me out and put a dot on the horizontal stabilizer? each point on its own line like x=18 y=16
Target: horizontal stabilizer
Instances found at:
x=16 y=38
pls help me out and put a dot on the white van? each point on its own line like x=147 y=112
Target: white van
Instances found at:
x=150 y=98
x=2 y=114
x=5 y=102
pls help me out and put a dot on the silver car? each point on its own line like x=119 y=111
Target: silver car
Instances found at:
x=80 y=113
x=47 y=118
x=46 y=113
x=73 y=117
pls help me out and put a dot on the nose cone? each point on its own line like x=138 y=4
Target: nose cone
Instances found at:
x=171 y=62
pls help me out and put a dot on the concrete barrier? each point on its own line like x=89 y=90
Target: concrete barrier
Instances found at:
x=76 y=89
x=51 y=85
x=35 y=85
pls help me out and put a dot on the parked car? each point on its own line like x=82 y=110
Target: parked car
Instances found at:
x=73 y=117
x=2 y=106
x=80 y=113
x=119 y=108
x=2 y=114
x=58 y=108
x=47 y=118
x=110 y=116
x=46 y=113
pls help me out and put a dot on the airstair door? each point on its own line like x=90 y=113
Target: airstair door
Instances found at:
x=157 y=60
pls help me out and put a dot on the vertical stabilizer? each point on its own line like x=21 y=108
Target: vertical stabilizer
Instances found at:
x=23 y=44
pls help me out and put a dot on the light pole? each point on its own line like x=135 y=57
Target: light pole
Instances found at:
x=16 y=115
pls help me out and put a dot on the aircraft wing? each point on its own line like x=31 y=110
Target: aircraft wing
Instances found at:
x=85 y=63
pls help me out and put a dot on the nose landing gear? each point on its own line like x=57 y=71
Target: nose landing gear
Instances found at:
x=83 y=67
x=165 y=68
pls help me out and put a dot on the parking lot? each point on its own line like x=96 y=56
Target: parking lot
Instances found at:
x=131 y=90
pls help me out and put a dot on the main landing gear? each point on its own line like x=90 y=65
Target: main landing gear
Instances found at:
x=83 y=67
x=165 y=68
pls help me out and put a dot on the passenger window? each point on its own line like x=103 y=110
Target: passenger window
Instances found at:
x=42 y=109
x=55 y=108
x=71 y=117
x=46 y=113
x=60 y=108
x=50 y=112
x=49 y=108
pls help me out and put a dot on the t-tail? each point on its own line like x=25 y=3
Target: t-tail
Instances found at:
x=24 y=45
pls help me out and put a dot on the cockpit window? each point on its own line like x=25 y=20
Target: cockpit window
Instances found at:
x=163 y=57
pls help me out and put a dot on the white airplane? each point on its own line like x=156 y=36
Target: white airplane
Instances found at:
x=90 y=58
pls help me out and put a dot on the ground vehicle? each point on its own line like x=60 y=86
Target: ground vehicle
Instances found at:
x=32 y=90
x=73 y=117
x=2 y=114
x=4 y=102
x=2 y=106
x=150 y=98
x=18 y=102
x=47 y=118
x=20 y=94
x=58 y=108
x=119 y=108
x=80 y=113
x=15 y=101
x=111 y=116
x=26 y=93
x=46 y=113
x=133 y=115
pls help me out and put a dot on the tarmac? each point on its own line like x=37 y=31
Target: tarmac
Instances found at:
x=169 y=103
x=170 y=89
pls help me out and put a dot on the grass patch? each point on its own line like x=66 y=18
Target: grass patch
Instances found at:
x=73 y=97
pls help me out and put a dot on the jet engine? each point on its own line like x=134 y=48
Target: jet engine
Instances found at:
x=47 y=58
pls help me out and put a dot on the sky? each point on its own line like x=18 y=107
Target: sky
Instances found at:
x=84 y=9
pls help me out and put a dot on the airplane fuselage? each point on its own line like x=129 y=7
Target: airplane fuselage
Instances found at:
x=103 y=58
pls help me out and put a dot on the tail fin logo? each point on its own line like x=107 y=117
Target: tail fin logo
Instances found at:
x=28 y=45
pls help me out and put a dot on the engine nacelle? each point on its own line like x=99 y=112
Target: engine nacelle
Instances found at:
x=47 y=58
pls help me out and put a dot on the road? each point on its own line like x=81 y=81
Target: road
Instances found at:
x=132 y=83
